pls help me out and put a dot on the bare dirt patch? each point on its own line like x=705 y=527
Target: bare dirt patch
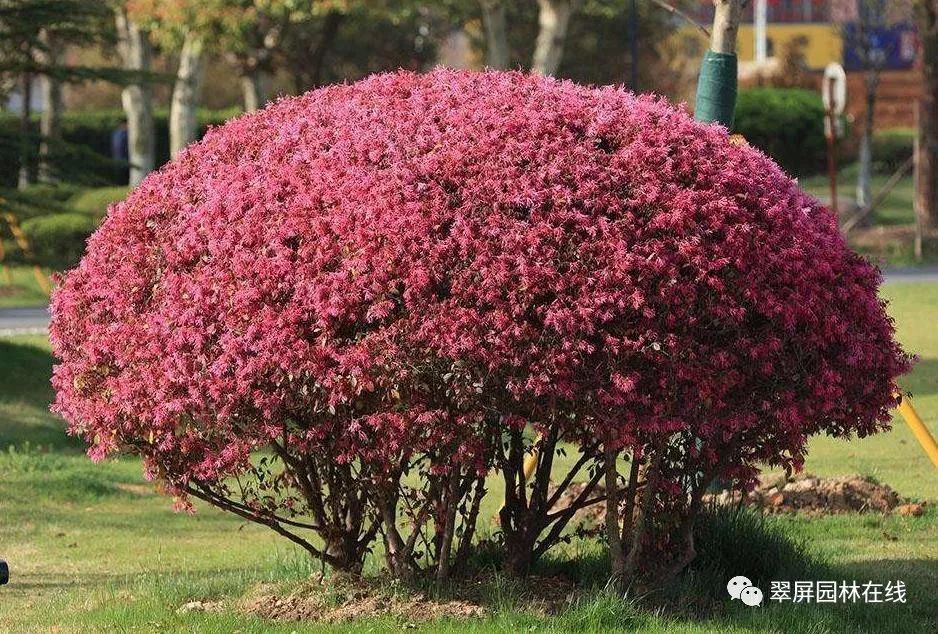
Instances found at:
x=347 y=599
x=803 y=493
x=812 y=495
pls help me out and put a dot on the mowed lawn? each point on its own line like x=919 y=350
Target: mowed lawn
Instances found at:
x=95 y=548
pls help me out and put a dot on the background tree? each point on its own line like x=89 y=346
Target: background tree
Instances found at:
x=250 y=33
x=33 y=34
x=136 y=54
x=926 y=163
x=344 y=41
x=593 y=44
x=496 y=35
x=50 y=132
x=862 y=36
x=553 y=21
x=182 y=26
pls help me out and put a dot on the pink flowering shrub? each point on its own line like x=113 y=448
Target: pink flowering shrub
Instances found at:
x=337 y=315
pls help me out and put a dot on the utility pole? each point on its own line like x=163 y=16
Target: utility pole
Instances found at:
x=761 y=24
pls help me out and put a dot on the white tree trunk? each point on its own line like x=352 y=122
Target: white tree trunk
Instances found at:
x=183 y=127
x=50 y=129
x=26 y=82
x=865 y=172
x=496 y=34
x=136 y=51
x=553 y=19
x=726 y=17
x=254 y=86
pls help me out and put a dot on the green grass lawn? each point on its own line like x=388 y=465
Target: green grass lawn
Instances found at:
x=18 y=287
x=890 y=237
x=896 y=208
x=95 y=548
x=21 y=287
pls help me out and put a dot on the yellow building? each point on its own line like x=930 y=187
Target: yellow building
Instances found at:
x=823 y=41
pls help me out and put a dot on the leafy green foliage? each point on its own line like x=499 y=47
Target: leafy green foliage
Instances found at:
x=84 y=154
x=730 y=541
x=58 y=240
x=785 y=123
x=892 y=148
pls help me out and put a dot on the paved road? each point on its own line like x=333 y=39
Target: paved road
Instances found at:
x=21 y=321
x=919 y=274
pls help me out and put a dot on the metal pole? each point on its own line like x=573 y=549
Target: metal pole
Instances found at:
x=919 y=429
x=831 y=150
x=761 y=20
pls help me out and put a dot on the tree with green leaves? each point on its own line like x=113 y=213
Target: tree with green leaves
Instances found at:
x=184 y=27
x=584 y=40
x=926 y=147
x=33 y=36
x=136 y=53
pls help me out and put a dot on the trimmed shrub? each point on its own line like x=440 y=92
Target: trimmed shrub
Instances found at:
x=95 y=201
x=58 y=240
x=335 y=316
x=785 y=123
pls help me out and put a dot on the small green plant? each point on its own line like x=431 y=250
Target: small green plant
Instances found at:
x=739 y=541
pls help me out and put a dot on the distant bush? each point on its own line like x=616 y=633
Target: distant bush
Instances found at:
x=58 y=240
x=36 y=200
x=84 y=156
x=95 y=201
x=785 y=123
x=892 y=148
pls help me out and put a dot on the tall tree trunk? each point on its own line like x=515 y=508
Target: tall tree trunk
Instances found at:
x=717 y=85
x=614 y=537
x=926 y=159
x=865 y=173
x=496 y=34
x=317 y=59
x=26 y=144
x=50 y=129
x=254 y=84
x=183 y=128
x=136 y=51
x=553 y=19
x=726 y=17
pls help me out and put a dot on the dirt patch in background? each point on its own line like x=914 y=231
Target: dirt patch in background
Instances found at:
x=803 y=493
x=812 y=495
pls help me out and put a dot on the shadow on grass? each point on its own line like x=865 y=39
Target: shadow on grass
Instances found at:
x=917 y=614
x=25 y=395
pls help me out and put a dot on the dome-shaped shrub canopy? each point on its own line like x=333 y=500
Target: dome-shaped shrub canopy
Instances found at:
x=401 y=264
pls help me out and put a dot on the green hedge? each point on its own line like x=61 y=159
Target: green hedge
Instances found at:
x=85 y=154
x=892 y=148
x=785 y=123
x=58 y=240
x=95 y=201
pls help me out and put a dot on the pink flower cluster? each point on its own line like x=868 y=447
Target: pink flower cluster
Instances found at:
x=409 y=264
